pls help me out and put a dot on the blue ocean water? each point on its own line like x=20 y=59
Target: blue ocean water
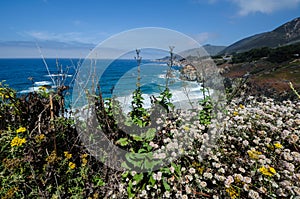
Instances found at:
x=26 y=75
x=119 y=78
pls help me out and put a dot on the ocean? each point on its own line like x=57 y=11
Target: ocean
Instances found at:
x=119 y=78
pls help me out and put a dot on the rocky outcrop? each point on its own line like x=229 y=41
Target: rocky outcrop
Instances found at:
x=189 y=73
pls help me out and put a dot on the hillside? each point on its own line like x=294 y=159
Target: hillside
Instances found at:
x=285 y=34
x=213 y=50
x=269 y=70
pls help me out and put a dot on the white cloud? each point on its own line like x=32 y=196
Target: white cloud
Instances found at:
x=62 y=37
x=264 y=6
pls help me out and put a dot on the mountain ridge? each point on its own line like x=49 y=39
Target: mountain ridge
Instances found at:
x=282 y=35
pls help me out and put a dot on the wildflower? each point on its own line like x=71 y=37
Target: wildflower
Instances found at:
x=52 y=157
x=188 y=189
x=72 y=165
x=238 y=177
x=241 y=106
x=235 y=113
x=203 y=184
x=278 y=145
x=84 y=155
x=247 y=180
x=293 y=139
x=207 y=175
x=245 y=143
x=184 y=197
x=172 y=169
x=297 y=190
x=263 y=190
x=253 y=194
x=84 y=162
x=192 y=170
x=228 y=181
x=159 y=175
x=242 y=170
x=167 y=194
x=67 y=155
x=17 y=141
x=3 y=93
x=232 y=192
x=186 y=128
x=267 y=171
x=43 y=88
x=254 y=154
x=246 y=187
x=39 y=137
x=21 y=130
x=272 y=170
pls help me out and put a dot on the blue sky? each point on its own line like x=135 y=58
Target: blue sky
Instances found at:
x=216 y=22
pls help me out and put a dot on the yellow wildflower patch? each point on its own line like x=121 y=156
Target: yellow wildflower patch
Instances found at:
x=253 y=154
x=40 y=137
x=21 y=130
x=241 y=106
x=52 y=157
x=235 y=113
x=84 y=155
x=3 y=93
x=272 y=170
x=186 y=128
x=17 y=141
x=267 y=171
x=278 y=145
x=72 y=165
x=232 y=192
x=84 y=162
x=67 y=155
x=42 y=88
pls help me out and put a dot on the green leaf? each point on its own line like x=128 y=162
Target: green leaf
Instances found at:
x=150 y=134
x=129 y=188
x=123 y=141
x=138 y=177
x=151 y=179
x=166 y=185
x=137 y=138
x=124 y=175
x=142 y=150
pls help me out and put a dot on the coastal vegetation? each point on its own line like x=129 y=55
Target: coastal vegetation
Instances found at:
x=257 y=155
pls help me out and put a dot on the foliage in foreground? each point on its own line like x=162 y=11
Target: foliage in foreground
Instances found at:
x=257 y=155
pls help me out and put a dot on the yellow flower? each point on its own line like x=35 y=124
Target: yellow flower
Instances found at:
x=3 y=93
x=186 y=128
x=272 y=170
x=84 y=155
x=241 y=106
x=17 y=141
x=235 y=113
x=232 y=192
x=72 y=165
x=68 y=155
x=40 y=137
x=52 y=157
x=42 y=88
x=21 y=130
x=253 y=154
x=278 y=145
x=84 y=161
x=267 y=171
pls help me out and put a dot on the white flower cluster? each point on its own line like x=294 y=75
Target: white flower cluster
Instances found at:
x=257 y=155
